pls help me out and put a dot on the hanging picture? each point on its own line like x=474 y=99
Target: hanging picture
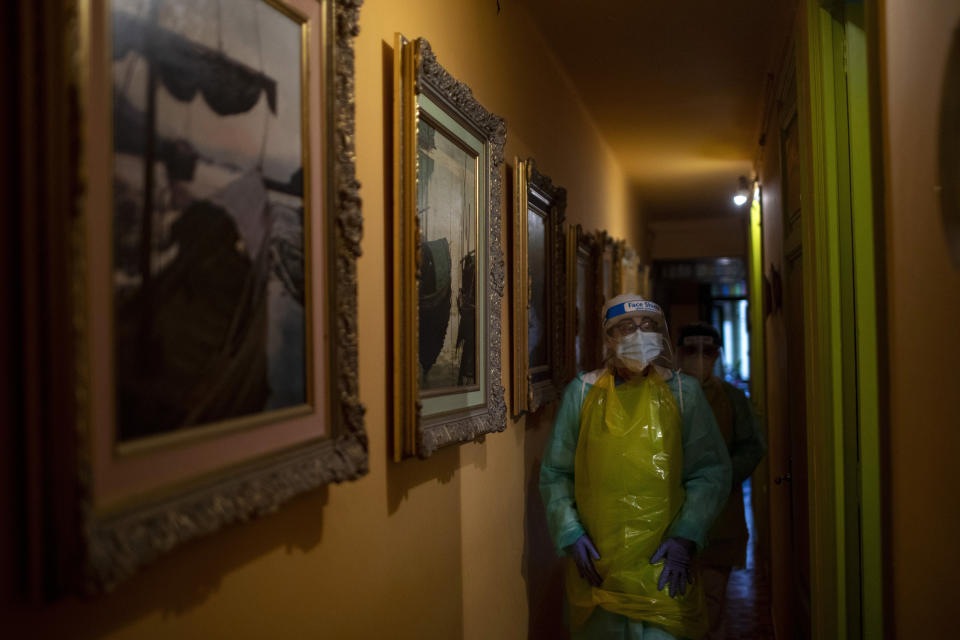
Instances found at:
x=619 y=250
x=611 y=252
x=603 y=244
x=608 y=254
x=210 y=264
x=539 y=289
x=448 y=262
x=948 y=156
x=582 y=320
x=220 y=228
x=630 y=268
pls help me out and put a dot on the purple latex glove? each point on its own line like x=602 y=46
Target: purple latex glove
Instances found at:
x=582 y=550
x=676 y=554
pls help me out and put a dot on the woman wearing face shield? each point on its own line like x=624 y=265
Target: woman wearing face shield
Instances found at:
x=633 y=475
x=699 y=348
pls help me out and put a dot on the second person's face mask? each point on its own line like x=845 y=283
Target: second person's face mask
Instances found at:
x=639 y=349
x=697 y=366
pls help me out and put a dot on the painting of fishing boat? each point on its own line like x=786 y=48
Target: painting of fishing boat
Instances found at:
x=448 y=269
x=447 y=210
x=209 y=264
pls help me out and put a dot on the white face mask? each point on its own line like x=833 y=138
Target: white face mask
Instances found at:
x=639 y=349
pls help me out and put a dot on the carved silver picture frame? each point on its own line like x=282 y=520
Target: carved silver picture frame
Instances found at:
x=448 y=266
x=539 y=289
x=264 y=464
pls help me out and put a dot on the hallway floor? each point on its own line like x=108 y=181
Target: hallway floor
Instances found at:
x=748 y=593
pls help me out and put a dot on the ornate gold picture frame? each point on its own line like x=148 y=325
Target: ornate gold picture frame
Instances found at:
x=539 y=289
x=448 y=269
x=266 y=402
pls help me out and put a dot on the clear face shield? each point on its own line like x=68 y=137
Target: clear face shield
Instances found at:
x=638 y=341
x=698 y=356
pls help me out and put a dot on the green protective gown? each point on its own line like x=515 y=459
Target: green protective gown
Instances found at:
x=705 y=478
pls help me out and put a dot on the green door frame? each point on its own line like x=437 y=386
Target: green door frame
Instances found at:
x=758 y=358
x=841 y=322
x=866 y=247
x=760 y=492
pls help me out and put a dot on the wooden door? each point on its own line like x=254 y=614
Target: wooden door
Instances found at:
x=790 y=521
x=794 y=482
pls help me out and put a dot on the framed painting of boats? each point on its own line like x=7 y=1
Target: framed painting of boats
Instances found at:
x=448 y=271
x=539 y=288
x=215 y=249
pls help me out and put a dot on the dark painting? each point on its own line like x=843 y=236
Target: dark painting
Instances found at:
x=537 y=332
x=448 y=283
x=209 y=257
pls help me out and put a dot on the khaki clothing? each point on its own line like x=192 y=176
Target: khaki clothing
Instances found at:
x=715 y=581
x=727 y=546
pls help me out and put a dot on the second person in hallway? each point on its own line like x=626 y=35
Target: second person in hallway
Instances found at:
x=699 y=349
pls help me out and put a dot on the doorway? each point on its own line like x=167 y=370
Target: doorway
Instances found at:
x=819 y=263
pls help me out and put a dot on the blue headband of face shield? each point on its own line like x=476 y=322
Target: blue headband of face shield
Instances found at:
x=632 y=306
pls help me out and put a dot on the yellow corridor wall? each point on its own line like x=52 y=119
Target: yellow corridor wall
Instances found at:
x=421 y=549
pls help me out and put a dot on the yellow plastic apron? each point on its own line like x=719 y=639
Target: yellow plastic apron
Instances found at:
x=628 y=490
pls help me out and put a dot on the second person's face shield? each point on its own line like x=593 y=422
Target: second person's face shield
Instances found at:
x=698 y=356
x=639 y=340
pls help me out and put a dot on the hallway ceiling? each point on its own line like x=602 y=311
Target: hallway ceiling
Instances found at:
x=676 y=89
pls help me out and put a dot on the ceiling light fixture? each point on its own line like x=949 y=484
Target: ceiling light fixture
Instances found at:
x=743 y=192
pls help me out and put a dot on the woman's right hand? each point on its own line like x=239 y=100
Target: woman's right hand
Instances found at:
x=584 y=553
